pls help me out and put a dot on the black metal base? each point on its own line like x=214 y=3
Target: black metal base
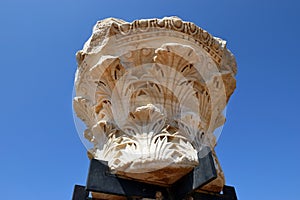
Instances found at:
x=100 y=180
x=228 y=193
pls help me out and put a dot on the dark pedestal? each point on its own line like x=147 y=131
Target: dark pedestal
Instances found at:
x=101 y=181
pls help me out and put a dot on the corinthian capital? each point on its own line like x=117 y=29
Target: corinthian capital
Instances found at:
x=151 y=94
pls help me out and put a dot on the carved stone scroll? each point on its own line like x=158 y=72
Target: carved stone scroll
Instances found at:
x=151 y=94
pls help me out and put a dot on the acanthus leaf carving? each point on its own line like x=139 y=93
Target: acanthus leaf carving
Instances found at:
x=151 y=94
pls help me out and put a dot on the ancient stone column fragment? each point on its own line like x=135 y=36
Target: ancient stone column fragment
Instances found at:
x=151 y=93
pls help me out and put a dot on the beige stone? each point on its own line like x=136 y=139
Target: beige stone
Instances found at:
x=151 y=93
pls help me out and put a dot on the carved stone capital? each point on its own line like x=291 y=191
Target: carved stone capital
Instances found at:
x=151 y=94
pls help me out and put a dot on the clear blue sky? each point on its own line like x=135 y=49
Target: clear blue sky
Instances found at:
x=41 y=155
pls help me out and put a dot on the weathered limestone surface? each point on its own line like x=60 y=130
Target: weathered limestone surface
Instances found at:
x=151 y=94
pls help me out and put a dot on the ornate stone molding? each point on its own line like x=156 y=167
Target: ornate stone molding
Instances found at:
x=151 y=94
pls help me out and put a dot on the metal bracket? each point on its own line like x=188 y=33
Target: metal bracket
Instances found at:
x=202 y=174
x=100 y=180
